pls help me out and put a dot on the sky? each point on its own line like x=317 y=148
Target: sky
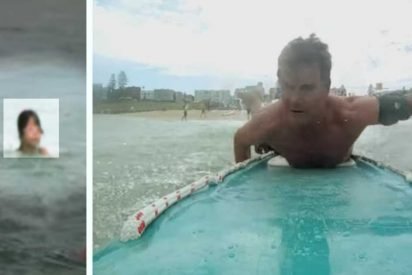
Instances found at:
x=225 y=44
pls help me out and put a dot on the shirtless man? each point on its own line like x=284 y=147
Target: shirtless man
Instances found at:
x=307 y=126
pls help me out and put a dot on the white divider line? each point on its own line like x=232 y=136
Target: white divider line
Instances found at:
x=136 y=224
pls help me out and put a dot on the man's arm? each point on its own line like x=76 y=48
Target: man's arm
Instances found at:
x=253 y=132
x=386 y=109
x=364 y=110
x=241 y=145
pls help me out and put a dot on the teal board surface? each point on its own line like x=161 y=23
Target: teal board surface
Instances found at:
x=264 y=220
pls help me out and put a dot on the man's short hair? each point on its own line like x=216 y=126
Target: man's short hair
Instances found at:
x=307 y=51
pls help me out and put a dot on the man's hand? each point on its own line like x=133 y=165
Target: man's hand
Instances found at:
x=263 y=148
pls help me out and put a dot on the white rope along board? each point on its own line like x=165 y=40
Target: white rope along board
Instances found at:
x=136 y=224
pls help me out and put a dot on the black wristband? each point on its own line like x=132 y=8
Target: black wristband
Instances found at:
x=392 y=108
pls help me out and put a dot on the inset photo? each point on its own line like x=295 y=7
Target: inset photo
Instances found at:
x=31 y=128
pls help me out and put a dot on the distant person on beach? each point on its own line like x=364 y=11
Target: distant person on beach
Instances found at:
x=185 y=108
x=30 y=133
x=308 y=126
x=203 y=112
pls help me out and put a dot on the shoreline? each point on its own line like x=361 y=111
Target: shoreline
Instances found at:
x=192 y=115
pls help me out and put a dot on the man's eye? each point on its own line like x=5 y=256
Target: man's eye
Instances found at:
x=307 y=88
x=286 y=87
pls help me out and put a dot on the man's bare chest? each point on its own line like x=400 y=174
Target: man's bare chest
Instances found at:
x=313 y=149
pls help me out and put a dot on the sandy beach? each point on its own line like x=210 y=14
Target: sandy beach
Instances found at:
x=192 y=115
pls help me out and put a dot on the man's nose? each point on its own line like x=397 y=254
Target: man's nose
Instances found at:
x=295 y=99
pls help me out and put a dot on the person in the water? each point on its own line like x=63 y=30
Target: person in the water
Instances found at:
x=30 y=133
x=308 y=126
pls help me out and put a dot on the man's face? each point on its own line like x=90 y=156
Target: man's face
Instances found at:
x=303 y=92
x=32 y=133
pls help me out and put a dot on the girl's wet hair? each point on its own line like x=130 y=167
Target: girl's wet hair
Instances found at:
x=24 y=118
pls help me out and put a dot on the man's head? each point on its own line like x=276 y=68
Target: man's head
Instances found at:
x=29 y=127
x=304 y=75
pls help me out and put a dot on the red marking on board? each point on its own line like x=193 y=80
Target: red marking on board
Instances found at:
x=139 y=215
x=141 y=227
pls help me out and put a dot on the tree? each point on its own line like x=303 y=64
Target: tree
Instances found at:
x=122 y=80
x=111 y=86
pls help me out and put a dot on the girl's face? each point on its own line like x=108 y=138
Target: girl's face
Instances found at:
x=32 y=133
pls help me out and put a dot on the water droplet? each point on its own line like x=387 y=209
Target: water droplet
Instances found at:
x=346 y=234
x=362 y=256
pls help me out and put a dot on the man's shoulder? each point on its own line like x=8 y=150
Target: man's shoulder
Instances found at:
x=272 y=108
x=268 y=116
x=340 y=108
x=360 y=109
x=342 y=103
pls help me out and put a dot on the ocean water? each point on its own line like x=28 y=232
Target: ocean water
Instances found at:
x=43 y=201
x=137 y=160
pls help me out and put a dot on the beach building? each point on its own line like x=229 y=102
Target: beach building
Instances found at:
x=222 y=97
x=163 y=95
